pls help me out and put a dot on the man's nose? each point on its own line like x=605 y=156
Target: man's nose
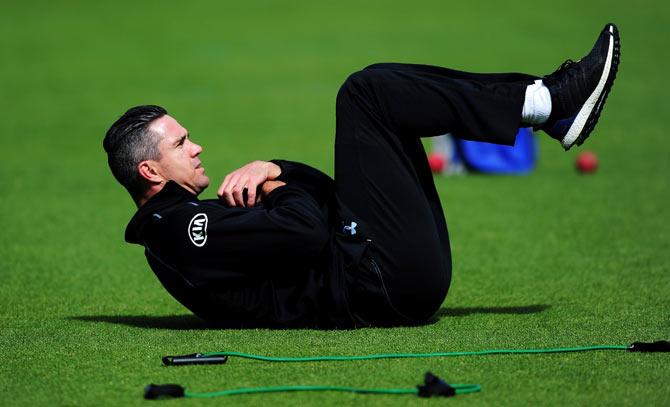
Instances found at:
x=197 y=149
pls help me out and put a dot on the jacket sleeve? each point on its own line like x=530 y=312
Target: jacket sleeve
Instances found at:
x=311 y=180
x=209 y=241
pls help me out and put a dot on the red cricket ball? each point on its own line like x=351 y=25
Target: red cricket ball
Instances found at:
x=437 y=162
x=586 y=162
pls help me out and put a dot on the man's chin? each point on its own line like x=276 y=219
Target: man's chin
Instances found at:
x=204 y=183
x=196 y=186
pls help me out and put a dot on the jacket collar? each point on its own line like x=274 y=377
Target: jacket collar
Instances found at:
x=171 y=194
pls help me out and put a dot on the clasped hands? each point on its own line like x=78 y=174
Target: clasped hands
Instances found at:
x=258 y=178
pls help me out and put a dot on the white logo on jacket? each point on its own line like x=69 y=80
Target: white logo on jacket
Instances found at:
x=197 y=229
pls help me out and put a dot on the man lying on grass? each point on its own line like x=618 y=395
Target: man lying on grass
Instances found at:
x=285 y=245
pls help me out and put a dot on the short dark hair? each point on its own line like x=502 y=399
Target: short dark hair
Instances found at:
x=129 y=142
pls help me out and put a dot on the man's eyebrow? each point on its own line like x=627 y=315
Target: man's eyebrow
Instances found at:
x=181 y=139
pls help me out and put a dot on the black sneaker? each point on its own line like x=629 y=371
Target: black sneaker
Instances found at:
x=578 y=90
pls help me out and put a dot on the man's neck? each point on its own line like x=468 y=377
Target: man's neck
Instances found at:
x=156 y=188
x=149 y=193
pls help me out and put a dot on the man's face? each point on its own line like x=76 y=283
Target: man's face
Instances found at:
x=179 y=155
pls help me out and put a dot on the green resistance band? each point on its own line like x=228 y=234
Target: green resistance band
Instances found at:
x=432 y=386
x=222 y=357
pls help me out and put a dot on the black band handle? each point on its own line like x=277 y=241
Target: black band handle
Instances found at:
x=434 y=386
x=658 y=346
x=155 y=391
x=194 y=359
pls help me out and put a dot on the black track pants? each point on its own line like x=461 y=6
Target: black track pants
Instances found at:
x=383 y=178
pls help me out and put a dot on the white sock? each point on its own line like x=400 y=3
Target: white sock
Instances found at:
x=537 y=105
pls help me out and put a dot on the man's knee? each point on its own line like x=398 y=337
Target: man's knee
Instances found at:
x=358 y=86
x=358 y=106
x=380 y=65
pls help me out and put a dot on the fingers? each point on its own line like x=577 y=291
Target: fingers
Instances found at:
x=239 y=191
x=238 y=195
x=219 y=192
x=232 y=192
x=249 y=177
x=251 y=195
x=252 y=186
x=226 y=190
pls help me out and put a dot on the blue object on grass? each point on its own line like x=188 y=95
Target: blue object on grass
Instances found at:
x=494 y=158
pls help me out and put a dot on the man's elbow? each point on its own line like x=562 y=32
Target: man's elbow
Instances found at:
x=316 y=236
x=309 y=228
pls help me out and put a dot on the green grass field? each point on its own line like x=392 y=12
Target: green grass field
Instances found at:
x=546 y=260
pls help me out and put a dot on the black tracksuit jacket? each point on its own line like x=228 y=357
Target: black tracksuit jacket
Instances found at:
x=282 y=263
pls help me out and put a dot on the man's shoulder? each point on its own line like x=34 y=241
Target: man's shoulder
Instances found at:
x=187 y=223
x=182 y=213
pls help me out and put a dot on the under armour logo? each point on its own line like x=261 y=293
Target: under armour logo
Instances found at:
x=350 y=229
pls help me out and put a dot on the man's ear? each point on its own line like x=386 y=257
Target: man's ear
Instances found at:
x=148 y=170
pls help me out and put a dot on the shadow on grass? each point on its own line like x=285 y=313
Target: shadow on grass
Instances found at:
x=192 y=322
x=465 y=311
x=175 y=322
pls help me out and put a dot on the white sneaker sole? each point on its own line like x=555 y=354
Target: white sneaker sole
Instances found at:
x=592 y=102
